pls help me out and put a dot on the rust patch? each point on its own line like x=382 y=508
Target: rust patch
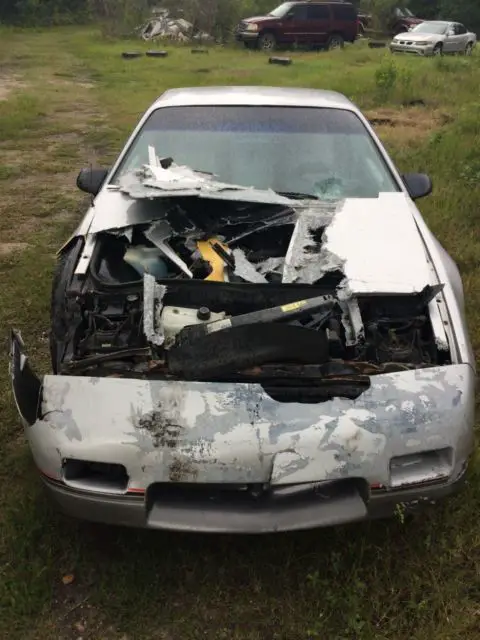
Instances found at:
x=165 y=432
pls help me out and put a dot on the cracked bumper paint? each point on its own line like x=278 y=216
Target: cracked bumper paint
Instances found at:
x=178 y=434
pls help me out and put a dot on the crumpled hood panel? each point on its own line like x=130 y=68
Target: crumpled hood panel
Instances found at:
x=375 y=242
x=223 y=432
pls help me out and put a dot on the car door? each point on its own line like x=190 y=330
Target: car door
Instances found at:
x=295 y=25
x=319 y=24
x=460 y=38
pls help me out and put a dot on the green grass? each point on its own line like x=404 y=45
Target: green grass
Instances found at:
x=74 y=103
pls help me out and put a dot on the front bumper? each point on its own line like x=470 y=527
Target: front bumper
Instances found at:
x=136 y=511
x=304 y=465
x=425 y=50
x=246 y=36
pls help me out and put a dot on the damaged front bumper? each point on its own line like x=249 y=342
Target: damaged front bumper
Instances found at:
x=225 y=457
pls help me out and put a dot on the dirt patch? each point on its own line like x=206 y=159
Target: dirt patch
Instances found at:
x=9 y=84
x=6 y=248
x=408 y=124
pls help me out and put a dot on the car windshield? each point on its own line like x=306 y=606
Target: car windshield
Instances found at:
x=281 y=10
x=430 y=27
x=324 y=153
x=403 y=13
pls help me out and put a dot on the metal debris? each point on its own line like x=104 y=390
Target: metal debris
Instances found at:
x=159 y=233
x=245 y=269
x=153 y=295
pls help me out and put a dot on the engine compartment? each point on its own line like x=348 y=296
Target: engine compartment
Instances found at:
x=215 y=300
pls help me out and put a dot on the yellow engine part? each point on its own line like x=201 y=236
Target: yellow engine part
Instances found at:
x=209 y=254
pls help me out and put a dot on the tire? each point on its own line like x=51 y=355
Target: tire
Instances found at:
x=156 y=54
x=130 y=55
x=267 y=42
x=60 y=318
x=438 y=50
x=335 y=41
x=469 y=49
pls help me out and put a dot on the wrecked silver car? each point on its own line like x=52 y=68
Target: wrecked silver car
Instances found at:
x=253 y=329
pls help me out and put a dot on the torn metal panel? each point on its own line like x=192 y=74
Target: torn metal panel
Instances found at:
x=352 y=322
x=153 y=295
x=159 y=233
x=377 y=243
x=157 y=182
x=236 y=433
x=307 y=260
x=86 y=256
x=245 y=269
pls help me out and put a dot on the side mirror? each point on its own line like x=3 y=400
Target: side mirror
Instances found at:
x=418 y=185
x=290 y=15
x=91 y=180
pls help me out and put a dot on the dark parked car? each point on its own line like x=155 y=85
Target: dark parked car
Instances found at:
x=399 y=21
x=326 y=24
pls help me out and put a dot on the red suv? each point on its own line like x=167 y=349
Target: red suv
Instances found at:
x=326 y=24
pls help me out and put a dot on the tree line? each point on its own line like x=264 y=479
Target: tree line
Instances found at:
x=218 y=16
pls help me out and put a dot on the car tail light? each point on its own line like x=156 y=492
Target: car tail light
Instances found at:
x=101 y=477
x=421 y=468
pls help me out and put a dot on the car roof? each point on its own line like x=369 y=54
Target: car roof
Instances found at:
x=253 y=96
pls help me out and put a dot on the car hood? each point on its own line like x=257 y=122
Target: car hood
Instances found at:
x=420 y=37
x=366 y=239
x=256 y=19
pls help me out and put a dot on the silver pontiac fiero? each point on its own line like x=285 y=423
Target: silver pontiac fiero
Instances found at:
x=252 y=329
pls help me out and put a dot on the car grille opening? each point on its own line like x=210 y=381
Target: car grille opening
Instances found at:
x=252 y=496
x=101 y=477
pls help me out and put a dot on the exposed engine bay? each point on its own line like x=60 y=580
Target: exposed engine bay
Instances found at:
x=231 y=291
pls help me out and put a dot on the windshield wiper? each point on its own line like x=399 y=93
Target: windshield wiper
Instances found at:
x=295 y=195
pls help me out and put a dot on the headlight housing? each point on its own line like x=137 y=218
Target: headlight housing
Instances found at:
x=252 y=27
x=423 y=43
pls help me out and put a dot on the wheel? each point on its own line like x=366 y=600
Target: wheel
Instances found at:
x=469 y=49
x=438 y=50
x=267 y=42
x=335 y=41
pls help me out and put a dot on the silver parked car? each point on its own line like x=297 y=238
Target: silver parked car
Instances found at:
x=435 y=37
x=253 y=328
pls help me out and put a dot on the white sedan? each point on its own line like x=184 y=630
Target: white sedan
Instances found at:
x=253 y=328
x=435 y=37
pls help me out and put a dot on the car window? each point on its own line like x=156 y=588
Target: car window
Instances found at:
x=318 y=12
x=344 y=12
x=459 y=29
x=281 y=10
x=327 y=153
x=437 y=28
x=298 y=12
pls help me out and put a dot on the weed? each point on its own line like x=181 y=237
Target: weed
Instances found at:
x=386 y=78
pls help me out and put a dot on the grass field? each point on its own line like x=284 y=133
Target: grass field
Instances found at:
x=67 y=99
